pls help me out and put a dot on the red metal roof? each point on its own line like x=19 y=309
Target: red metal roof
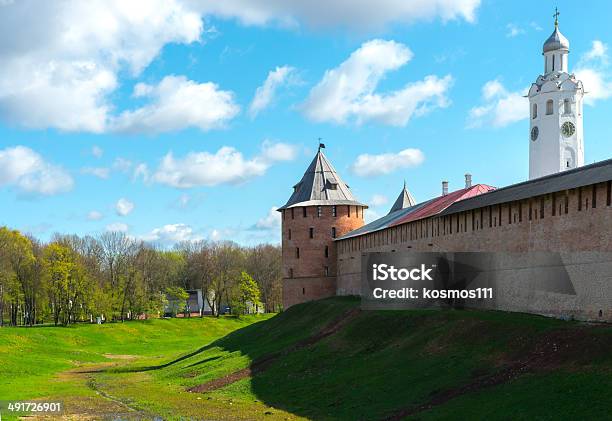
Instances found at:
x=437 y=205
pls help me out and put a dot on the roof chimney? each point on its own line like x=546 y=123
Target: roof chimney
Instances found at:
x=444 y=188
x=468 y=181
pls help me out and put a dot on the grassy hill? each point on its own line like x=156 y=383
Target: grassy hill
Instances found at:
x=329 y=360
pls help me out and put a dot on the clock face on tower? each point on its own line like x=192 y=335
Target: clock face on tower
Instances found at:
x=568 y=129
x=534 y=133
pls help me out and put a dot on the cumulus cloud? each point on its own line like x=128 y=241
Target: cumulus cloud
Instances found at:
x=122 y=164
x=124 y=207
x=356 y=14
x=272 y=221
x=378 y=200
x=94 y=215
x=593 y=70
x=117 y=227
x=99 y=172
x=27 y=172
x=226 y=166
x=273 y=152
x=265 y=94
x=347 y=92
x=178 y=103
x=60 y=72
x=513 y=30
x=97 y=151
x=63 y=71
x=367 y=165
x=172 y=234
x=501 y=107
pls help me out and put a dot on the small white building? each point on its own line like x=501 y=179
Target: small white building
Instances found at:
x=195 y=305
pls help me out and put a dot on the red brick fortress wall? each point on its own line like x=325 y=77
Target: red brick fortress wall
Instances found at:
x=576 y=223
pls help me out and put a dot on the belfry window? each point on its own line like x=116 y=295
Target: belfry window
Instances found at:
x=333 y=232
x=549 y=107
x=304 y=212
x=534 y=111
x=553 y=62
x=567 y=107
x=297 y=252
x=311 y=232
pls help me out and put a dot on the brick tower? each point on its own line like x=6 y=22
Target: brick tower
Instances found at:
x=320 y=209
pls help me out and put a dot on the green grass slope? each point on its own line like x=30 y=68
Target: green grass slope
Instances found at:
x=425 y=364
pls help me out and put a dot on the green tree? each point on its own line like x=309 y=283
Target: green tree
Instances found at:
x=66 y=281
x=177 y=298
x=248 y=294
x=17 y=276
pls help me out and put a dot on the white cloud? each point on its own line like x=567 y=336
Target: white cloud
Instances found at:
x=265 y=94
x=367 y=165
x=60 y=72
x=379 y=200
x=177 y=103
x=122 y=164
x=272 y=152
x=272 y=221
x=347 y=92
x=97 y=151
x=535 y=26
x=171 y=234
x=371 y=215
x=514 y=30
x=226 y=166
x=94 y=215
x=593 y=70
x=27 y=172
x=598 y=50
x=142 y=171
x=99 y=172
x=500 y=107
x=124 y=207
x=117 y=227
x=63 y=71
x=216 y=235
x=356 y=14
x=183 y=201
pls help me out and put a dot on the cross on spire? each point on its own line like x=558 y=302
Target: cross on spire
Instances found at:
x=556 y=16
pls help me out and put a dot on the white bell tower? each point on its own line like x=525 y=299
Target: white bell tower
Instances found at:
x=555 y=112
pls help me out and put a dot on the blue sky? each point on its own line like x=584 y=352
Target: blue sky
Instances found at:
x=140 y=117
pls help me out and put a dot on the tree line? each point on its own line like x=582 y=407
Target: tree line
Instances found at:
x=113 y=276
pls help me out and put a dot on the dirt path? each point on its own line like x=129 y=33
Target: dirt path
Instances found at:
x=101 y=405
x=553 y=350
x=263 y=363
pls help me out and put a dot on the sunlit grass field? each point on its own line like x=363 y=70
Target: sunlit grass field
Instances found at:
x=321 y=360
